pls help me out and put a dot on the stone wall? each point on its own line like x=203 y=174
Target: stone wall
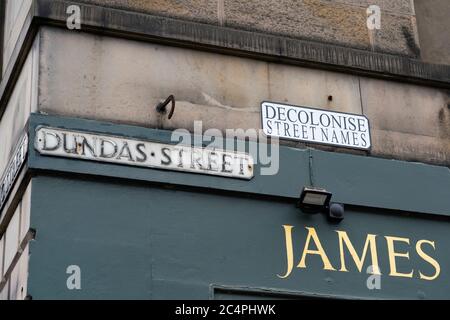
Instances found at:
x=340 y=22
x=21 y=103
x=10 y=242
x=15 y=15
x=434 y=25
x=119 y=80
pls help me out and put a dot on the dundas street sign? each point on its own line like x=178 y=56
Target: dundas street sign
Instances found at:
x=132 y=152
x=315 y=126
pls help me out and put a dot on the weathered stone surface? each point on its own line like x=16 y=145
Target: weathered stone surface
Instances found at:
x=12 y=239
x=308 y=87
x=309 y=19
x=195 y=10
x=212 y=117
x=2 y=246
x=262 y=46
x=395 y=6
x=326 y=21
x=15 y=14
x=411 y=147
x=17 y=112
x=410 y=109
x=120 y=80
x=339 y=22
x=104 y=78
x=408 y=122
x=433 y=28
x=397 y=35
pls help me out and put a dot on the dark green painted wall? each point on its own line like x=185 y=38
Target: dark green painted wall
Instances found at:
x=145 y=233
x=357 y=180
x=143 y=242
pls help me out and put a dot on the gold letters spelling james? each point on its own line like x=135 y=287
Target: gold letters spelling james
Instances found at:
x=370 y=245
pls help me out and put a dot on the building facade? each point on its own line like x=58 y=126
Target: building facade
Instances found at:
x=139 y=157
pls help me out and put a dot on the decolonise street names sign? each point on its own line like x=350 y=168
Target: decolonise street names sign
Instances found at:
x=141 y=153
x=315 y=126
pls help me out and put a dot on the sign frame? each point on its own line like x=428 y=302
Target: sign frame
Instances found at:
x=309 y=142
x=247 y=156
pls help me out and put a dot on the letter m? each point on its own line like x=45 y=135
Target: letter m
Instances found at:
x=359 y=261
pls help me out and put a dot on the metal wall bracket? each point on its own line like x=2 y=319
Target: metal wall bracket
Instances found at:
x=162 y=106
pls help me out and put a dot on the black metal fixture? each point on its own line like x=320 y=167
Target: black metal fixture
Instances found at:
x=315 y=200
x=336 y=211
x=162 y=106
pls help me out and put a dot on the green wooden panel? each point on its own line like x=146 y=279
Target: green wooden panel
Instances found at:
x=383 y=183
x=358 y=180
x=139 y=241
x=286 y=183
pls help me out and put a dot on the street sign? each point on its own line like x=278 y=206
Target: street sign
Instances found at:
x=315 y=126
x=133 y=152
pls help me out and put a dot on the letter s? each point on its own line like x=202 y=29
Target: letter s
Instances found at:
x=428 y=259
x=166 y=154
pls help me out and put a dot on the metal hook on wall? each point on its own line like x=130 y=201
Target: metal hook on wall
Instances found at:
x=162 y=106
